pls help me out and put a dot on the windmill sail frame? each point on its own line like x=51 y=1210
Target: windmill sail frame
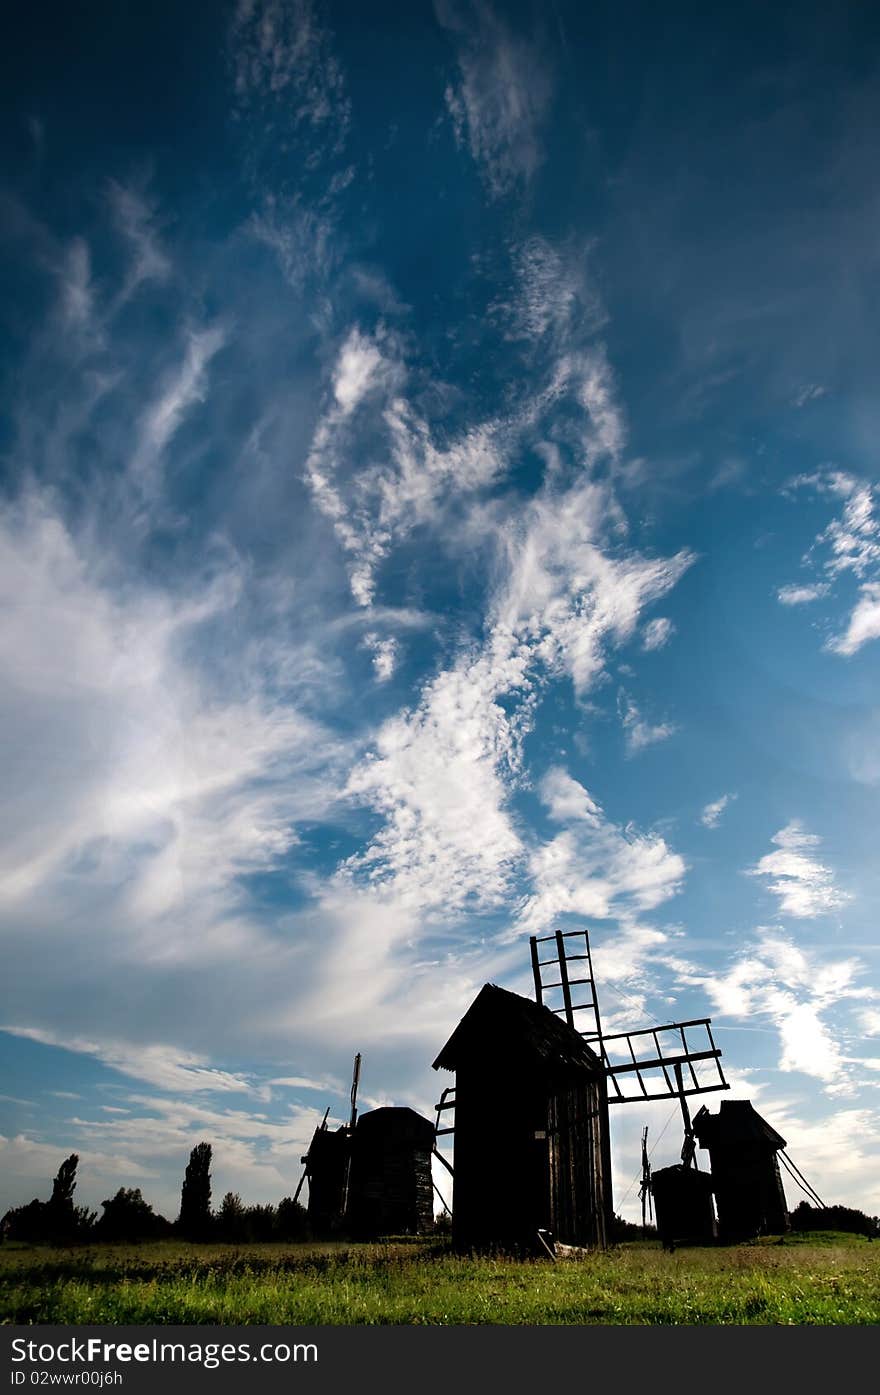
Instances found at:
x=632 y=1074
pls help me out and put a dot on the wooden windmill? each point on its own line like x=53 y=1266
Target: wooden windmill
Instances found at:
x=372 y=1175
x=672 y=1060
x=327 y=1166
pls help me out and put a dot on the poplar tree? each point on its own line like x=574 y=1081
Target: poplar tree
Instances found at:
x=195 y=1194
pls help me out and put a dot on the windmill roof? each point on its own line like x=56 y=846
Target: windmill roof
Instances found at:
x=397 y=1121
x=519 y=1026
x=736 y=1122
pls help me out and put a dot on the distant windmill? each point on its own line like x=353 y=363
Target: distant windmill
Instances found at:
x=372 y=1175
x=327 y=1165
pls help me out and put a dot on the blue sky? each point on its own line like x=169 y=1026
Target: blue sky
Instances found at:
x=439 y=505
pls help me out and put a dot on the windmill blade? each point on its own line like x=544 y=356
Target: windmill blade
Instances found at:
x=299 y=1188
x=645 y=1187
x=669 y=1061
x=642 y=1063
x=572 y=947
x=355 y=1081
x=689 y=1146
x=305 y=1160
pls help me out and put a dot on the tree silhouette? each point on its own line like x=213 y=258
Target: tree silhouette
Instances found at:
x=847 y=1218
x=127 y=1217
x=56 y=1220
x=231 y=1218
x=26 y=1223
x=63 y=1219
x=195 y=1194
x=291 y=1222
x=64 y=1184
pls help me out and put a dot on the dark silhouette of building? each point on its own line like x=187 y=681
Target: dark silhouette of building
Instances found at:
x=390 y=1190
x=683 y=1206
x=327 y=1169
x=531 y=1128
x=745 y=1171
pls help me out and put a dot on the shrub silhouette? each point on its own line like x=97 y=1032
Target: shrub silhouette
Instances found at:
x=237 y=1223
x=291 y=1221
x=846 y=1218
x=128 y=1217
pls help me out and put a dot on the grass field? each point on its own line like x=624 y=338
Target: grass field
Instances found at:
x=829 y=1279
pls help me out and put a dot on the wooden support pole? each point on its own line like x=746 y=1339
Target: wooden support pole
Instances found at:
x=440 y=1158
x=536 y=970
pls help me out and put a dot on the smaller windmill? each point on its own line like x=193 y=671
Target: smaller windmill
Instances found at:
x=372 y=1175
x=327 y=1165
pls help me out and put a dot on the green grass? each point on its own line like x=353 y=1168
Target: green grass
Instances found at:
x=828 y=1279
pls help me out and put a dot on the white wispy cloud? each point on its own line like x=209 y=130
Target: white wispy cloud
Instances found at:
x=548 y=290
x=188 y=787
x=564 y=590
x=136 y=217
x=435 y=775
x=849 y=545
x=165 y=1067
x=566 y=799
x=810 y=392
x=303 y=237
x=423 y=480
x=801 y=595
x=290 y=95
x=803 y=885
x=502 y=95
x=711 y=815
x=853 y=539
x=358 y=368
x=552 y=297
x=795 y=989
x=864 y=621
x=304 y=1082
x=144 y=788
x=639 y=732
x=447 y=766
x=372 y=508
x=77 y=293
x=657 y=634
x=385 y=653
x=184 y=389
x=599 y=398
x=596 y=869
x=281 y=53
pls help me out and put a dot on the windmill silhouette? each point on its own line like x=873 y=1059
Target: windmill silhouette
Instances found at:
x=673 y=1060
